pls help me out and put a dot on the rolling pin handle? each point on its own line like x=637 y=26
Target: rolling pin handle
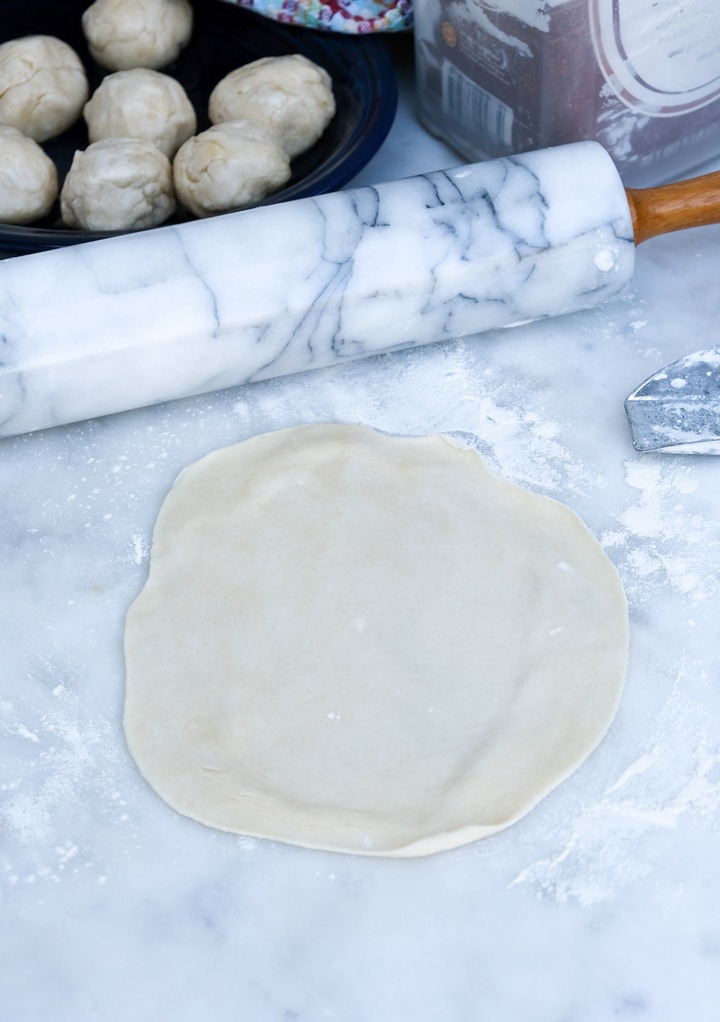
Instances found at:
x=673 y=207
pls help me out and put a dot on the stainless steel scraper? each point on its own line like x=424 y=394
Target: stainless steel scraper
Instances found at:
x=677 y=410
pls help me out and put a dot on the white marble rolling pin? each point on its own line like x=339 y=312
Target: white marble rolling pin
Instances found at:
x=139 y=319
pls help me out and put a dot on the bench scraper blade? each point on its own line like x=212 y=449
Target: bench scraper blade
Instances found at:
x=677 y=410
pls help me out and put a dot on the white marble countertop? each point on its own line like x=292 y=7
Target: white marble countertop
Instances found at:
x=603 y=903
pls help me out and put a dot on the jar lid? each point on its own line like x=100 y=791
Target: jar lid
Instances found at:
x=352 y=17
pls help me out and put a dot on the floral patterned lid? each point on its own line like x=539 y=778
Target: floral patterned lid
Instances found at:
x=355 y=17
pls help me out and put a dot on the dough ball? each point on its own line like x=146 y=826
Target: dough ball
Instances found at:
x=229 y=166
x=291 y=95
x=28 y=178
x=43 y=86
x=118 y=184
x=141 y=103
x=123 y=34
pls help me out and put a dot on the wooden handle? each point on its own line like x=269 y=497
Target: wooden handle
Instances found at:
x=692 y=203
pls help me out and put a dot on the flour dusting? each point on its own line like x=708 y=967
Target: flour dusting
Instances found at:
x=79 y=551
x=44 y=799
x=661 y=541
x=667 y=548
x=610 y=842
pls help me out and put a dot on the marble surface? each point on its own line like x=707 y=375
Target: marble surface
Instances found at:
x=308 y=284
x=602 y=903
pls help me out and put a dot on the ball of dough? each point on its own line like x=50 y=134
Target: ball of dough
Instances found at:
x=43 y=86
x=123 y=34
x=118 y=184
x=141 y=103
x=28 y=178
x=229 y=166
x=291 y=95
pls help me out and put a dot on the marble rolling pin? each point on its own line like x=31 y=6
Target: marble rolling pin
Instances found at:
x=143 y=318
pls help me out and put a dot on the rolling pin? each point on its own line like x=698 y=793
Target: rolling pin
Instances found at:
x=144 y=318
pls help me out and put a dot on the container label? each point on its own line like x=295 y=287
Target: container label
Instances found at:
x=660 y=57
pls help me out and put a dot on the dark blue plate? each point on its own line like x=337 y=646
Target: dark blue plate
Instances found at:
x=226 y=36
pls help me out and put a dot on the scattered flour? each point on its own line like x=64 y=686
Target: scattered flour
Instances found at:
x=659 y=541
x=65 y=758
x=46 y=793
x=667 y=548
x=141 y=548
x=609 y=843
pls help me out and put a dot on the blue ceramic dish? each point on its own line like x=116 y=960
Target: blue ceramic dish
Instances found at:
x=226 y=36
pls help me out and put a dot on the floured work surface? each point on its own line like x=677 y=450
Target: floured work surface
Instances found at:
x=367 y=643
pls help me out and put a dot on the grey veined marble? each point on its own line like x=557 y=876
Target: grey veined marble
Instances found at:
x=140 y=319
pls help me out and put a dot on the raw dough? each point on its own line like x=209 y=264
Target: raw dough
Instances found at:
x=123 y=34
x=367 y=643
x=118 y=184
x=141 y=103
x=28 y=178
x=289 y=94
x=43 y=86
x=229 y=166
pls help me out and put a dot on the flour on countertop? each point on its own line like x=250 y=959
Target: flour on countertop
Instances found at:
x=441 y=390
x=66 y=760
x=659 y=540
x=44 y=795
x=668 y=554
x=606 y=845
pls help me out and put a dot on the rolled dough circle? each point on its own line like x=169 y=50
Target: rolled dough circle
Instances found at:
x=367 y=643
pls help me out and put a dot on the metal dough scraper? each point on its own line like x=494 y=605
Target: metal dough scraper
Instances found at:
x=677 y=410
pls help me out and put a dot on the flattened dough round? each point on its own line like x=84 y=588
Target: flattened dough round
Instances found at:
x=367 y=643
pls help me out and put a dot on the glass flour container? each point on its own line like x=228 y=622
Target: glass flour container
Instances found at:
x=642 y=77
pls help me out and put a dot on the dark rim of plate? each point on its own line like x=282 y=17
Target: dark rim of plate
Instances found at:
x=225 y=36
